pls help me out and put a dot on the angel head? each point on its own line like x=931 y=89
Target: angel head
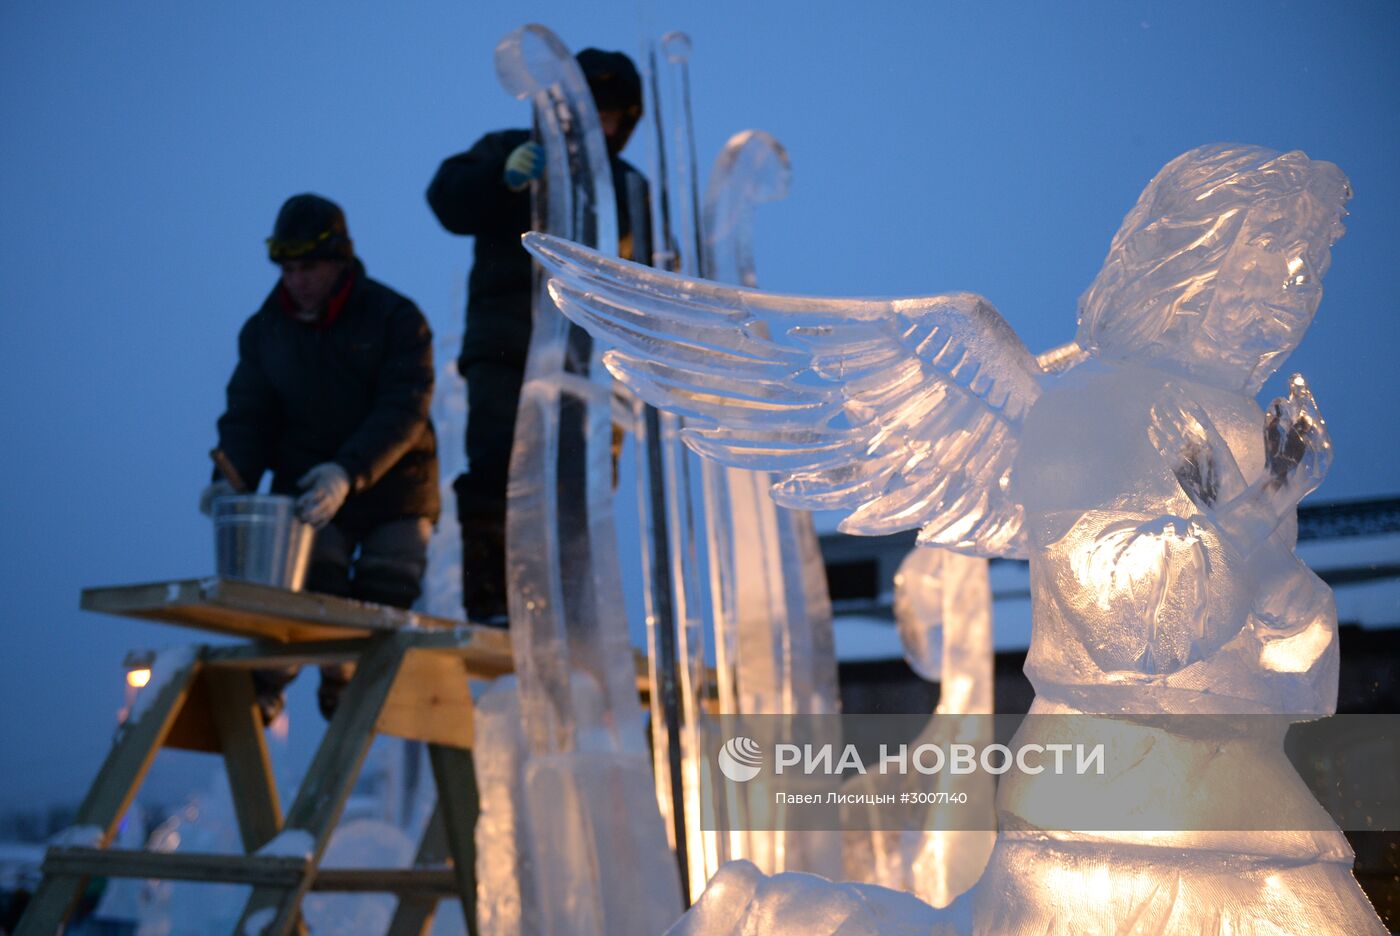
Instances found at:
x=1217 y=271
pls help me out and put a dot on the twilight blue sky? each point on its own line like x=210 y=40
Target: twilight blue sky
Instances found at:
x=991 y=147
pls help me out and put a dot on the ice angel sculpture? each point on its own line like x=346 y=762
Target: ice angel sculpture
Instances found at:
x=1153 y=497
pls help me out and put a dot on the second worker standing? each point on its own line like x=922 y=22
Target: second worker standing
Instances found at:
x=485 y=193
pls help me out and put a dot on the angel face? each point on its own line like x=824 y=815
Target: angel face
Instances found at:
x=1217 y=271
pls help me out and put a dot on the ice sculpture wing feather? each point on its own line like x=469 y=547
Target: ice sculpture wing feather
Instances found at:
x=904 y=411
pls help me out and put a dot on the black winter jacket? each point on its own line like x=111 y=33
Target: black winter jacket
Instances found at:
x=469 y=196
x=356 y=392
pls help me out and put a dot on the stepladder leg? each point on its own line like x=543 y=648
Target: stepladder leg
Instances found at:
x=136 y=746
x=460 y=805
x=272 y=911
x=238 y=723
x=414 y=914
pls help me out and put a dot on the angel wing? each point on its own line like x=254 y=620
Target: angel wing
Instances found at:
x=906 y=412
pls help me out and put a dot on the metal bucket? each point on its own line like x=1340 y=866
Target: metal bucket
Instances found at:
x=259 y=538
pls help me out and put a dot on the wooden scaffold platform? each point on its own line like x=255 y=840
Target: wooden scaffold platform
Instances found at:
x=411 y=681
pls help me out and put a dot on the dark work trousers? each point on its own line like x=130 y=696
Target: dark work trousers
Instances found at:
x=493 y=396
x=383 y=564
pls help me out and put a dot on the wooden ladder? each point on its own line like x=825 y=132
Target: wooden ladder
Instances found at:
x=411 y=680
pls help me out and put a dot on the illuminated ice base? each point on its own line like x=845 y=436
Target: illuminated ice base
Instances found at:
x=1036 y=885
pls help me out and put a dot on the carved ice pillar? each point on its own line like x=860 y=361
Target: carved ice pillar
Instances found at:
x=565 y=589
x=597 y=848
x=944 y=598
x=677 y=228
x=774 y=651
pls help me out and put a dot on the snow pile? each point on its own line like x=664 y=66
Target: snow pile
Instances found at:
x=290 y=843
x=79 y=836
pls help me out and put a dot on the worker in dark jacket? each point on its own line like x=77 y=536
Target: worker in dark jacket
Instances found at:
x=331 y=393
x=484 y=193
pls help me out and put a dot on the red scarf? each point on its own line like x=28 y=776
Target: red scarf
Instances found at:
x=334 y=306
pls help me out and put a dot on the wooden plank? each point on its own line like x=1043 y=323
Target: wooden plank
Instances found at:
x=332 y=774
x=431 y=701
x=247 y=609
x=436 y=882
x=185 y=603
x=193 y=729
x=267 y=655
x=414 y=914
x=257 y=870
x=116 y=784
x=239 y=728
x=455 y=776
x=485 y=651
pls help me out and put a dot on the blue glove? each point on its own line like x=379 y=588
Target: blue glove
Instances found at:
x=524 y=165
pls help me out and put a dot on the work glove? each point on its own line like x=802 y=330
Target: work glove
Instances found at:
x=524 y=164
x=219 y=488
x=327 y=487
